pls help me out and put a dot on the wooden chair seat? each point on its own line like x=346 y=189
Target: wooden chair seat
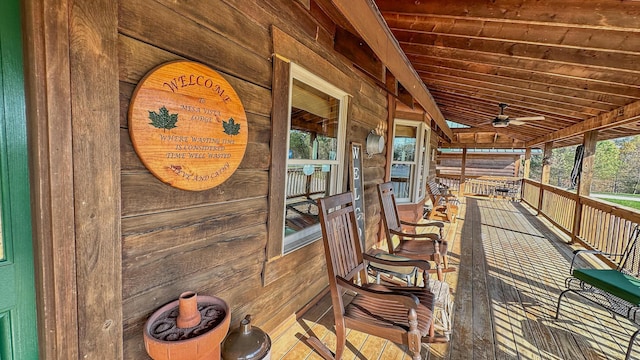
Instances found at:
x=363 y=311
x=418 y=248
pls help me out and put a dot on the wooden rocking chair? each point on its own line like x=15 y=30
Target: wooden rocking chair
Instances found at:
x=445 y=204
x=399 y=314
x=426 y=246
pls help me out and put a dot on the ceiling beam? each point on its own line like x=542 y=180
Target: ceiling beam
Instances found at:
x=510 y=96
x=605 y=92
x=613 y=118
x=627 y=61
x=611 y=76
x=366 y=19
x=609 y=15
x=577 y=97
x=568 y=36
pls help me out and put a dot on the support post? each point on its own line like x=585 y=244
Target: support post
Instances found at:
x=527 y=163
x=589 y=141
x=546 y=172
x=463 y=167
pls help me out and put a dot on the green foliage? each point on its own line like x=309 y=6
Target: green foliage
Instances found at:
x=561 y=165
x=299 y=144
x=607 y=162
x=163 y=120
x=535 y=171
x=230 y=127
x=627 y=203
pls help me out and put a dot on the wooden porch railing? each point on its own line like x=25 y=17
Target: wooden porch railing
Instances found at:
x=299 y=184
x=482 y=185
x=596 y=224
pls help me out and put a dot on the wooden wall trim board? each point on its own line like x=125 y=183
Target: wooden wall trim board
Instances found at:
x=293 y=50
x=93 y=60
x=277 y=174
x=47 y=82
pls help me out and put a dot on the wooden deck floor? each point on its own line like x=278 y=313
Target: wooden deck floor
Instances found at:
x=511 y=269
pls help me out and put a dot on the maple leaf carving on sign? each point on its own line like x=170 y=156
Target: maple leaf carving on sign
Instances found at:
x=163 y=120
x=230 y=127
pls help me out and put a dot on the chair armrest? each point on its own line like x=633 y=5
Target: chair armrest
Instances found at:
x=408 y=300
x=421 y=264
x=579 y=252
x=429 y=236
x=438 y=224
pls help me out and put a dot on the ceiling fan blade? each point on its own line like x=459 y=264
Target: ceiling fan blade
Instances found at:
x=529 y=118
x=516 y=122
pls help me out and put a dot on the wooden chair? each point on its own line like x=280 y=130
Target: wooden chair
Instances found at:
x=426 y=246
x=445 y=204
x=399 y=314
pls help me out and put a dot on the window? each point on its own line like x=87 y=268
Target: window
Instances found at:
x=315 y=152
x=410 y=161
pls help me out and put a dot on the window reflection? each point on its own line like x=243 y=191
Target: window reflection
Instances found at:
x=312 y=163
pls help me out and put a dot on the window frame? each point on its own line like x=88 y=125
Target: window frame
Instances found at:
x=421 y=162
x=311 y=234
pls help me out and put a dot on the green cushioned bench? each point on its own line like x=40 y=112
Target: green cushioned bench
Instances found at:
x=614 y=282
x=616 y=290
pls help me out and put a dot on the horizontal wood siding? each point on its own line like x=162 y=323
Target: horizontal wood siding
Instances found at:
x=214 y=241
x=479 y=165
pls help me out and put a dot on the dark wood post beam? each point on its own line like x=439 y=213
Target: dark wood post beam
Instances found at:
x=617 y=117
x=368 y=21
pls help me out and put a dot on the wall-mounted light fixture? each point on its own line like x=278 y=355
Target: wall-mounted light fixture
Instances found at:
x=375 y=143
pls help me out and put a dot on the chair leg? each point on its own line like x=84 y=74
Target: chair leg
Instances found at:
x=633 y=338
x=559 y=300
x=413 y=337
x=341 y=341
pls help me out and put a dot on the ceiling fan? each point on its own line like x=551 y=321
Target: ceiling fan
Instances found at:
x=502 y=120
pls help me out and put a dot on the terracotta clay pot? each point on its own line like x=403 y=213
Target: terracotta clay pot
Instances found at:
x=190 y=328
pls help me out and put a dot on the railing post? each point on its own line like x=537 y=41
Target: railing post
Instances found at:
x=577 y=221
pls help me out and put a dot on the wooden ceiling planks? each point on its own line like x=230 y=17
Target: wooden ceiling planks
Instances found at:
x=575 y=62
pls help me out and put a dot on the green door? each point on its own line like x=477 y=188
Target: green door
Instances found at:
x=18 y=332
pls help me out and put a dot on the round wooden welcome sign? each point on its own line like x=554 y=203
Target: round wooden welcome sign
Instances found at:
x=187 y=125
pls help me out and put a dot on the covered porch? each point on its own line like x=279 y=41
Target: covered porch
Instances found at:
x=511 y=266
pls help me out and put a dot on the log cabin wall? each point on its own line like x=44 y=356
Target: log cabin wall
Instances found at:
x=479 y=164
x=214 y=241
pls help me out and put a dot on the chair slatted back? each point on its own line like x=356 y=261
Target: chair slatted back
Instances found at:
x=390 y=215
x=630 y=259
x=433 y=190
x=340 y=235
